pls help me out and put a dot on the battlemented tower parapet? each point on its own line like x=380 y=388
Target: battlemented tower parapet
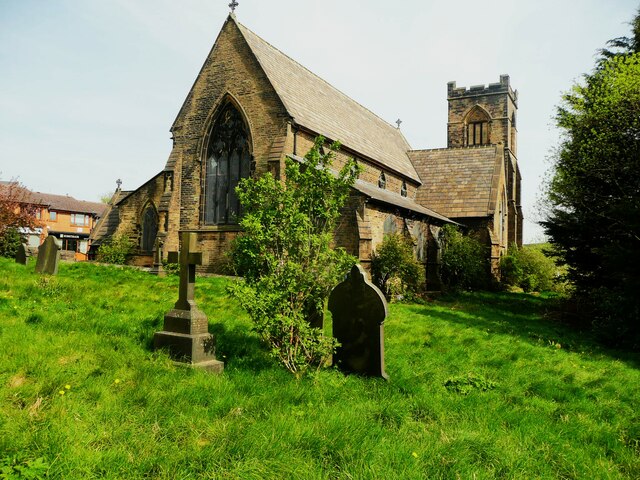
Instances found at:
x=482 y=115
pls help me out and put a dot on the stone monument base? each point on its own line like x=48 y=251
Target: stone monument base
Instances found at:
x=187 y=340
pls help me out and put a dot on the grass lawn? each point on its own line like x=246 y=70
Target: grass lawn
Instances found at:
x=481 y=386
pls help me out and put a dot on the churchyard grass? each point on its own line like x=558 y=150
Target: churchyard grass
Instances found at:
x=482 y=385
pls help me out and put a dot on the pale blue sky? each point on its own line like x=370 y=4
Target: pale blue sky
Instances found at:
x=89 y=89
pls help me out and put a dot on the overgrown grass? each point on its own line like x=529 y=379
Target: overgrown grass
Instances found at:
x=482 y=386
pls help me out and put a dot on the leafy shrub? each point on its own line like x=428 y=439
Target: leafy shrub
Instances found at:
x=14 y=468
x=464 y=260
x=171 y=268
x=394 y=268
x=10 y=241
x=285 y=257
x=465 y=384
x=527 y=268
x=116 y=250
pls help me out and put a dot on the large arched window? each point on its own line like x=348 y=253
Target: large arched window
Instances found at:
x=149 y=228
x=228 y=160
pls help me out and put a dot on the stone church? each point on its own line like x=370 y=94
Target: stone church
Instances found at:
x=251 y=106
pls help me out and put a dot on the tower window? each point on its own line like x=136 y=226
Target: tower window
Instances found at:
x=403 y=189
x=478 y=133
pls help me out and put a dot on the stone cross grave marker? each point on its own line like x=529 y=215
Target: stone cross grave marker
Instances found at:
x=48 y=256
x=186 y=328
x=358 y=309
x=21 y=254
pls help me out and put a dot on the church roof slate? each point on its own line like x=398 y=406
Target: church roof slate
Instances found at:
x=459 y=182
x=108 y=223
x=315 y=104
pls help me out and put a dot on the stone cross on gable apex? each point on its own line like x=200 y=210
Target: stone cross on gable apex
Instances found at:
x=398 y=122
x=188 y=258
x=233 y=5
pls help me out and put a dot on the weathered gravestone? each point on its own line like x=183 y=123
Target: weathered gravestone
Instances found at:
x=21 y=254
x=48 y=256
x=186 y=328
x=358 y=309
x=157 y=268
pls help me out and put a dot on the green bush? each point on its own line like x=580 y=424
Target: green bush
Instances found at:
x=527 y=268
x=285 y=255
x=394 y=268
x=464 y=260
x=10 y=242
x=116 y=250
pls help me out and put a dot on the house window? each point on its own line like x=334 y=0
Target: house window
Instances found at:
x=382 y=181
x=38 y=214
x=228 y=160
x=53 y=215
x=80 y=219
x=149 y=228
x=403 y=189
x=478 y=133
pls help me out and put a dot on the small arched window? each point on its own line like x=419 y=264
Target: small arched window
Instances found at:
x=403 y=189
x=149 y=228
x=382 y=181
x=228 y=160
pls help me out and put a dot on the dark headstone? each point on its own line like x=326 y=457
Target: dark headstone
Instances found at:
x=22 y=255
x=48 y=256
x=358 y=309
x=186 y=328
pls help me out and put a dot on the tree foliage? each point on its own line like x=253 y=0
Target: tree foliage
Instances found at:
x=594 y=195
x=527 y=268
x=394 y=268
x=464 y=260
x=17 y=215
x=285 y=254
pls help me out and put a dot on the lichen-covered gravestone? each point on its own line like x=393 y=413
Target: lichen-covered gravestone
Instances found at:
x=358 y=309
x=21 y=254
x=186 y=328
x=48 y=256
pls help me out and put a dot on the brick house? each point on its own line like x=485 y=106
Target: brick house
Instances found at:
x=251 y=106
x=65 y=218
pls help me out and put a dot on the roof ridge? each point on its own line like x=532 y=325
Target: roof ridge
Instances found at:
x=466 y=147
x=314 y=74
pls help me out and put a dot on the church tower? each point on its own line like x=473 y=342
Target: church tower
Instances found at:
x=486 y=115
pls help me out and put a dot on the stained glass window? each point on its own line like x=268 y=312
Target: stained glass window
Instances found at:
x=228 y=160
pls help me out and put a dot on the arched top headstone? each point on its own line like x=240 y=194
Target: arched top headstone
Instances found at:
x=359 y=309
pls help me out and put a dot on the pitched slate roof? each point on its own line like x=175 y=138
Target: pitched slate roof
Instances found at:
x=394 y=199
x=315 y=104
x=459 y=182
x=68 y=204
x=63 y=203
x=108 y=223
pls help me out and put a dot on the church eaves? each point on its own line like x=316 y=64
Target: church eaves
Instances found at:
x=318 y=106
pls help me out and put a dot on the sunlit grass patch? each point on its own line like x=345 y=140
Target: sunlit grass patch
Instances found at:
x=481 y=384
